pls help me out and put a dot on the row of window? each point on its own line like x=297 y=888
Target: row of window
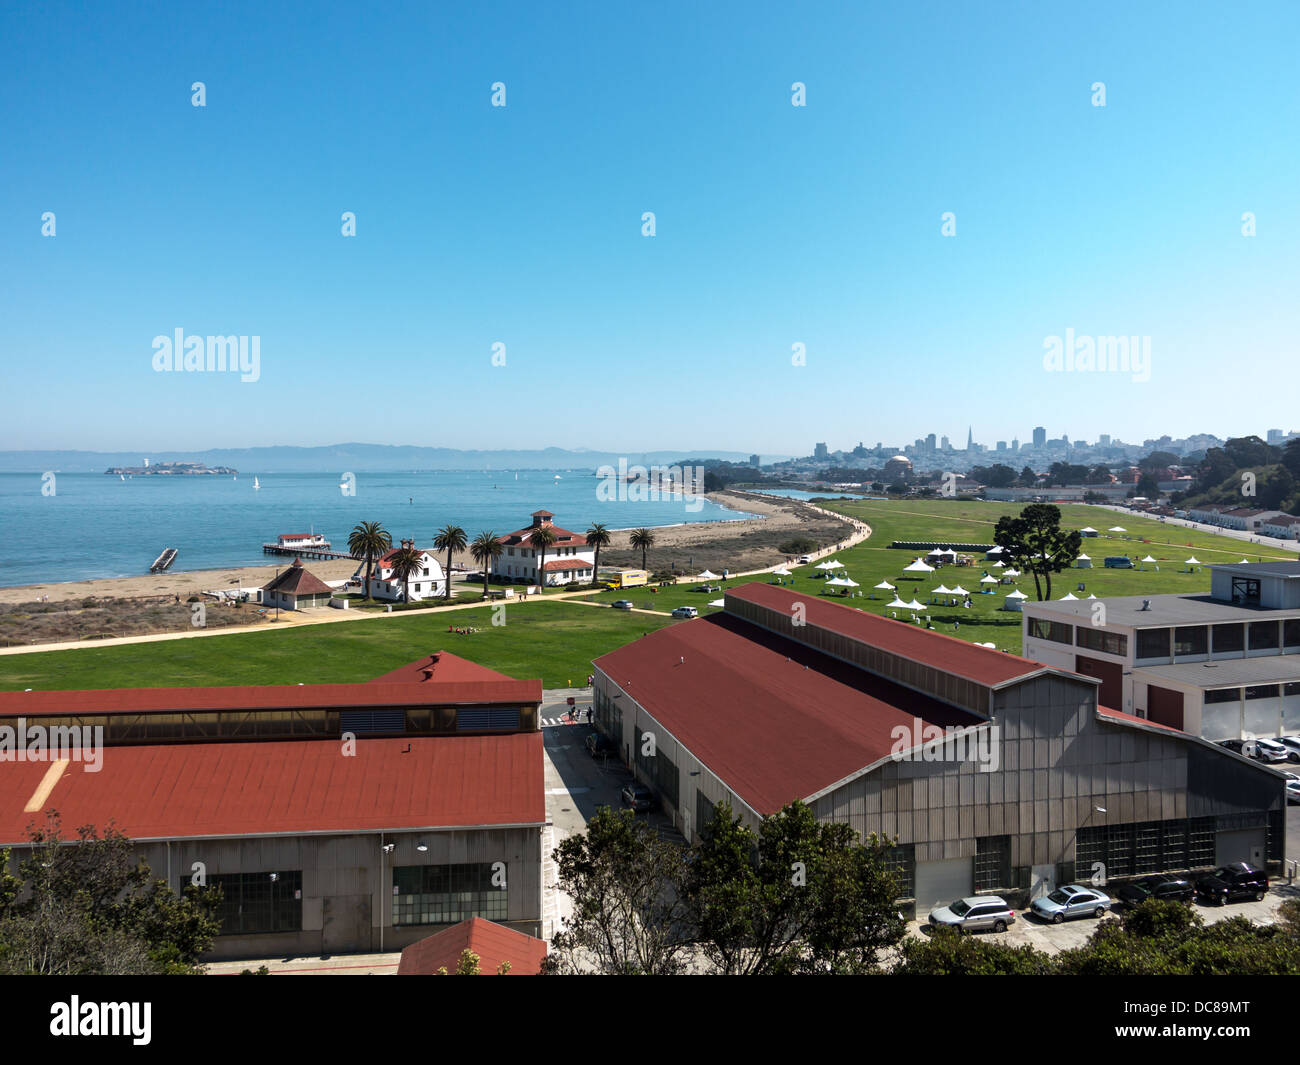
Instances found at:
x=1145 y=846
x=422 y=894
x=1177 y=642
x=1253 y=691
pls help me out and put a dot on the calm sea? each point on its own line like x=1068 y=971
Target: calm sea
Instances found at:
x=95 y=525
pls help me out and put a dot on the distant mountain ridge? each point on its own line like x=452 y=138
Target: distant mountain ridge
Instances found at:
x=341 y=458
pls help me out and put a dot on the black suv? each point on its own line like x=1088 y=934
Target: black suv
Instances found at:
x=1240 y=880
x=1155 y=887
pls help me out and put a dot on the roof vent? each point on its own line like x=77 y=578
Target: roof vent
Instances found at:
x=1146 y=604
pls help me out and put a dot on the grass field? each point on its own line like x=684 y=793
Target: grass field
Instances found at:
x=555 y=641
x=558 y=640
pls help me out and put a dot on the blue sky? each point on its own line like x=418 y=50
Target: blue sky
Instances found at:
x=776 y=225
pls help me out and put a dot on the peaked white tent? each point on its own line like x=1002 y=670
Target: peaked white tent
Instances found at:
x=824 y=564
x=959 y=590
x=918 y=567
x=1068 y=597
x=1014 y=599
x=1083 y=562
x=707 y=575
x=717 y=602
x=836 y=582
x=914 y=605
x=1012 y=572
x=988 y=580
x=885 y=586
x=780 y=571
x=849 y=582
x=897 y=602
x=1017 y=594
x=835 y=563
x=1117 y=528
x=1193 y=561
x=1148 y=559
x=943 y=589
x=999 y=564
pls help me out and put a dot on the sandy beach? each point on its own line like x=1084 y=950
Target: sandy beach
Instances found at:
x=738 y=545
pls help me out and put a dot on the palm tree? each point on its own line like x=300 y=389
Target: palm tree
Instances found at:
x=369 y=540
x=644 y=539
x=543 y=536
x=598 y=537
x=406 y=561
x=486 y=549
x=450 y=539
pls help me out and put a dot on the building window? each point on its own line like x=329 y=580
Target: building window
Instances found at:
x=1056 y=631
x=1098 y=639
x=447 y=894
x=1192 y=640
x=1291 y=634
x=254 y=902
x=1262 y=691
x=1245 y=590
x=1263 y=635
x=1153 y=643
x=1229 y=639
x=900 y=863
x=1223 y=695
x=992 y=863
x=1145 y=847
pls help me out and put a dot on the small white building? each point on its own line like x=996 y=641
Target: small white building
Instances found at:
x=1283 y=526
x=569 y=560
x=427 y=582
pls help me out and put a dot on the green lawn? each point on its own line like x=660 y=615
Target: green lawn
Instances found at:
x=555 y=641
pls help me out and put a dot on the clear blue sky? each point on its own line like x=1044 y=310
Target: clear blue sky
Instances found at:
x=775 y=224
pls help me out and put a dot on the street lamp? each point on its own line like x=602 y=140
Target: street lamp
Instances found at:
x=384 y=848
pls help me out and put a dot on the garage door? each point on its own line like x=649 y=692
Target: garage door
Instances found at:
x=938 y=883
x=1244 y=846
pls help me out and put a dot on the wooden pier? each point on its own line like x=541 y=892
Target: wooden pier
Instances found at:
x=164 y=560
x=320 y=553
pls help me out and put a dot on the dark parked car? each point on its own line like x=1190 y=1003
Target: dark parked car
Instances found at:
x=1156 y=887
x=599 y=745
x=639 y=797
x=1228 y=883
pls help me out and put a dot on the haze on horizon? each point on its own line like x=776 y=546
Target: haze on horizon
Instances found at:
x=775 y=225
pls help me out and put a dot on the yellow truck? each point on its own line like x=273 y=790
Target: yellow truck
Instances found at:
x=627 y=578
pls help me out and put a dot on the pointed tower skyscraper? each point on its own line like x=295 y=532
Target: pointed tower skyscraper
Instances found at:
x=970 y=437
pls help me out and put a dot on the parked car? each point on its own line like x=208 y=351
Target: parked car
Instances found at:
x=805 y=559
x=1292 y=745
x=686 y=612
x=639 y=797
x=1270 y=755
x=599 y=745
x=973 y=914
x=622 y=604
x=1073 y=900
x=1228 y=883
x=1293 y=791
x=1156 y=887
x=1273 y=751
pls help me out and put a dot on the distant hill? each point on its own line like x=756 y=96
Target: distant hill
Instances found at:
x=340 y=458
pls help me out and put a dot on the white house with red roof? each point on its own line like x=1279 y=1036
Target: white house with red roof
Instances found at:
x=569 y=560
x=427 y=582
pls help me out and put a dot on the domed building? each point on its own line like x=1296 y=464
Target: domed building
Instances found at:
x=899 y=467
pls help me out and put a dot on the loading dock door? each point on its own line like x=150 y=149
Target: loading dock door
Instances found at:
x=1111 y=675
x=1165 y=706
x=938 y=883
x=1246 y=845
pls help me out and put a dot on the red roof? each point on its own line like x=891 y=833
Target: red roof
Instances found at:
x=563 y=537
x=775 y=720
x=227 y=789
x=567 y=563
x=442 y=667
x=934 y=649
x=380 y=692
x=1119 y=715
x=492 y=942
x=384 y=561
x=298 y=581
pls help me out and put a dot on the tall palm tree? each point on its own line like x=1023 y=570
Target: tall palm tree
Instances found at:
x=644 y=539
x=543 y=536
x=485 y=550
x=369 y=540
x=598 y=537
x=450 y=539
x=406 y=561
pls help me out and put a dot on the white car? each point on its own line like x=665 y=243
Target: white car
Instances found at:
x=686 y=612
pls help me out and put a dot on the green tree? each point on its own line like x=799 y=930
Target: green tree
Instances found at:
x=369 y=540
x=451 y=538
x=90 y=906
x=1035 y=542
x=803 y=896
x=406 y=561
x=628 y=917
x=485 y=550
x=541 y=538
x=598 y=537
x=1028 y=478
x=643 y=539
x=949 y=953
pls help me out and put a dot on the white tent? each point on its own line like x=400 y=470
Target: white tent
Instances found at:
x=849 y=582
x=1083 y=562
x=885 y=586
x=995 y=550
x=1148 y=559
x=988 y=580
x=1244 y=562
x=1088 y=530
x=993 y=646
x=718 y=602
x=707 y=575
x=959 y=590
x=780 y=571
x=897 y=602
x=1193 y=561
x=836 y=582
x=824 y=565
x=1013 y=600
x=914 y=605
x=1068 y=597
x=918 y=567
x=1017 y=594
x=943 y=589
x=999 y=564
x=1117 y=528
x=835 y=563
x=1092 y=596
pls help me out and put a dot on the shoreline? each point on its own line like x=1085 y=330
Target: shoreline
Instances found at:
x=721 y=536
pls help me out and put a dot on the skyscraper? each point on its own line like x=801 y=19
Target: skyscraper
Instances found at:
x=970 y=438
x=1040 y=436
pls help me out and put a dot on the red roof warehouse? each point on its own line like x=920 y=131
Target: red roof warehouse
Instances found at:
x=984 y=771
x=335 y=817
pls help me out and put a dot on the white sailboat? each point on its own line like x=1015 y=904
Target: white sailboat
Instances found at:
x=256 y=484
x=121 y=477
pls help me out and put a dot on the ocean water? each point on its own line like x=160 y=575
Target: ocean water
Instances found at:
x=95 y=525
